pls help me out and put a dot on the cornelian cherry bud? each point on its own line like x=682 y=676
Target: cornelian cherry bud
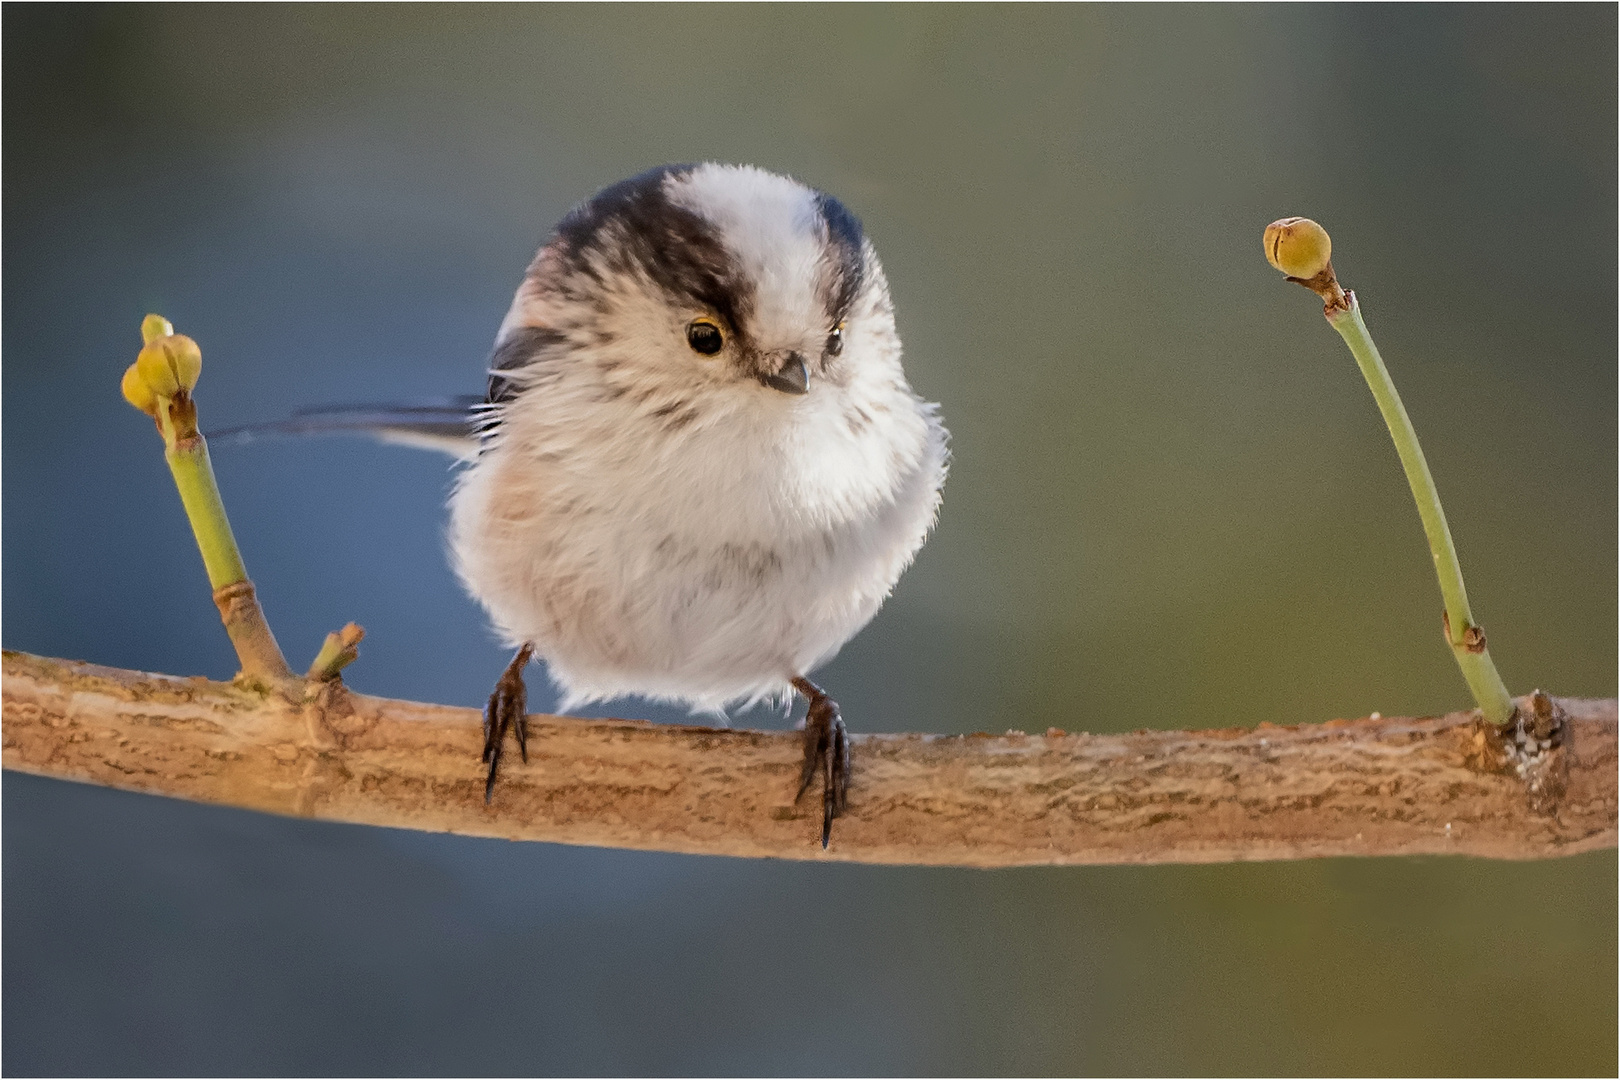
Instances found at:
x=1297 y=246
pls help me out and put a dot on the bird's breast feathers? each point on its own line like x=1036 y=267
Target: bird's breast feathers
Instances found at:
x=706 y=563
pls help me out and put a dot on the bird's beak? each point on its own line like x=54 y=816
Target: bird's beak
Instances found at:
x=792 y=375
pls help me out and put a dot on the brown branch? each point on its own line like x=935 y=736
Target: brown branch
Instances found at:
x=1380 y=786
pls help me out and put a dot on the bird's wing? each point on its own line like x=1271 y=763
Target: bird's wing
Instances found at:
x=449 y=425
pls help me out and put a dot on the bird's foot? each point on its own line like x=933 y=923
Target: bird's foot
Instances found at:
x=826 y=746
x=506 y=710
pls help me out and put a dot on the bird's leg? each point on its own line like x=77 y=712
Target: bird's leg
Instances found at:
x=826 y=745
x=505 y=710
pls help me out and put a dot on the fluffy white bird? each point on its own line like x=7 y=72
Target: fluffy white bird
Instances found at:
x=699 y=469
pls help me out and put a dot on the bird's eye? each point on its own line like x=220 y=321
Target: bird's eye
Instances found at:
x=704 y=336
x=835 y=340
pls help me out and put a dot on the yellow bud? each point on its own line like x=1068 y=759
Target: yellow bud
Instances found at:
x=170 y=364
x=1297 y=246
x=155 y=370
x=186 y=358
x=154 y=327
x=137 y=393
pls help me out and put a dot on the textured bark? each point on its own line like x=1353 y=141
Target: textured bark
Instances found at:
x=1379 y=786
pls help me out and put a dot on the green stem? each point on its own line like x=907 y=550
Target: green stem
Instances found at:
x=239 y=610
x=1463 y=634
x=194 y=476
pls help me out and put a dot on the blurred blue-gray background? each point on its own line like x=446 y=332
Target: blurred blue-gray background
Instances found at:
x=1172 y=505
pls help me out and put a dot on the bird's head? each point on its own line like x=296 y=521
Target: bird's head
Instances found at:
x=701 y=280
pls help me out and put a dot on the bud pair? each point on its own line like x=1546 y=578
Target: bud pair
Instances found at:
x=167 y=366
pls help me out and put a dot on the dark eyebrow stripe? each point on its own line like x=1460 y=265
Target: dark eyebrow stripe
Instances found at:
x=633 y=225
x=579 y=228
x=845 y=251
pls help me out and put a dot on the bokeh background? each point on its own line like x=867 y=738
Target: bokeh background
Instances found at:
x=1172 y=505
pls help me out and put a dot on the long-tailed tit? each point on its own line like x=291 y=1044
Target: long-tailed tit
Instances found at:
x=698 y=469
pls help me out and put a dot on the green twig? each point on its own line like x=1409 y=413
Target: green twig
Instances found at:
x=256 y=647
x=1302 y=249
x=1465 y=637
x=159 y=383
x=199 y=494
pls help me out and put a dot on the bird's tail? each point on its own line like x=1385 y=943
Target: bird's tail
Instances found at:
x=449 y=425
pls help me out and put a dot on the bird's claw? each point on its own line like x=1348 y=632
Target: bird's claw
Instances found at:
x=826 y=748
x=505 y=710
